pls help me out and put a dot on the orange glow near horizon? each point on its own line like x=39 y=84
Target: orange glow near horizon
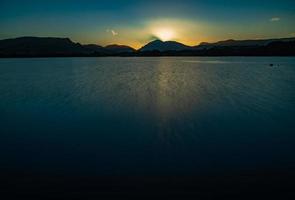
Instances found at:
x=184 y=31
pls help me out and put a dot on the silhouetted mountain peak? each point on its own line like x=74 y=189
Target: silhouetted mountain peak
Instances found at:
x=203 y=43
x=32 y=38
x=158 y=45
x=119 y=48
x=245 y=43
x=156 y=41
x=40 y=46
x=230 y=40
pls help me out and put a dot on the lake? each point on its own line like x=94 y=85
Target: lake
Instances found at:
x=177 y=116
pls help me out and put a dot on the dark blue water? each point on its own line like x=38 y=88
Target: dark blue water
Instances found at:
x=142 y=116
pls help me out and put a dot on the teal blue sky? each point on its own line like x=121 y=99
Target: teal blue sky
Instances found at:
x=136 y=22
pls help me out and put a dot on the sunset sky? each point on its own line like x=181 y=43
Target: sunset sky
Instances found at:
x=136 y=22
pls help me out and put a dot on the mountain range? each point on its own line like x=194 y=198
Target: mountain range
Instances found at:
x=64 y=47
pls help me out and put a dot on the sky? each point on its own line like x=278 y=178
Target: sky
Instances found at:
x=137 y=22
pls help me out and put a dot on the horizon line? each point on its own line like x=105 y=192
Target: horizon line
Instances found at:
x=119 y=44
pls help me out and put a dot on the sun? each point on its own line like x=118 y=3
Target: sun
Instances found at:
x=164 y=34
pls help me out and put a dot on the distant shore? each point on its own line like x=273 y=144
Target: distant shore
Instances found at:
x=63 y=47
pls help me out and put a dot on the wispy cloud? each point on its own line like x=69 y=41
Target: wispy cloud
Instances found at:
x=113 y=32
x=274 y=19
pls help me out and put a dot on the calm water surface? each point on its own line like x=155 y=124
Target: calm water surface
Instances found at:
x=147 y=115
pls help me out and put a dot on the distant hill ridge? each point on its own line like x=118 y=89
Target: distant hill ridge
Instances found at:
x=51 y=46
x=258 y=42
x=159 y=45
x=47 y=46
x=119 y=48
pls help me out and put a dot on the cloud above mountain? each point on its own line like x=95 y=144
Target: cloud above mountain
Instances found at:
x=275 y=19
x=113 y=32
